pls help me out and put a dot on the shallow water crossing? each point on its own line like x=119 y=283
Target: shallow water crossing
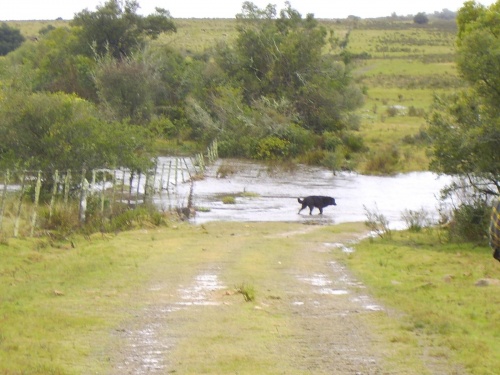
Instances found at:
x=262 y=193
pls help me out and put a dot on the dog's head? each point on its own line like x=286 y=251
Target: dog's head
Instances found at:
x=332 y=202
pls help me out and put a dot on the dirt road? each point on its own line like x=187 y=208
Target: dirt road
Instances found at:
x=309 y=315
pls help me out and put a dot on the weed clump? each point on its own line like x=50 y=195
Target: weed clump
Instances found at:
x=248 y=292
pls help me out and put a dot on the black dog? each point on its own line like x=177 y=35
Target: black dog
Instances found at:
x=318 y=201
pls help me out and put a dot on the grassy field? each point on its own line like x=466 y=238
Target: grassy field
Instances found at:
x=64 y=306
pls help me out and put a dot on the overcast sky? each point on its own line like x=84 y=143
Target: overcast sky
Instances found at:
x=52 y=9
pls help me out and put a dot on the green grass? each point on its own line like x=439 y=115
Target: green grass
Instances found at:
x=433 y=284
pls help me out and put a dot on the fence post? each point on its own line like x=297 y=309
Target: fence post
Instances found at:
x=137 y=190
x=92 y=185
x=102 y=191
x=19 y=207
x=55 y=179
x=161 y=179
x=176 y=169
x=168 y=177
x=35 y=206
x=67 y=182
x=111 y=203
x=131 y=179
x=4 y=195
x=187 y=168
x=83 y=197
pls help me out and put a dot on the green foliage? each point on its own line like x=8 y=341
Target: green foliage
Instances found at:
x=272 y=148
x=119 y=30
x=465 y=126
x=248 y=292
x=10 y=39
x=383 y=161
x=377 y=223
x=421 y=19
x=125 y=89
x=59 y=131
x=470 y=222
x=53 y=64
x=282 y=57
x=416 y=220
x=229 y=199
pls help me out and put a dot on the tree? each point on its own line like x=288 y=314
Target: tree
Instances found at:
x=117 y=29
x=466 y=126
x=10 y=39
x=125 y=89
x=421 y=19
x=60 y=131
x=281 y=56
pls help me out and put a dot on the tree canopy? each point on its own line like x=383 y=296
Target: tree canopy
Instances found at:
x=60 y=131
x=10 y=39
x=117 y=29
x=466 y=125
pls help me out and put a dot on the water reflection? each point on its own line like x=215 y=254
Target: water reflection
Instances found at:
x=262 y=194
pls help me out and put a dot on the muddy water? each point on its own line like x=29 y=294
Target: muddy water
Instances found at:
x=273 y=194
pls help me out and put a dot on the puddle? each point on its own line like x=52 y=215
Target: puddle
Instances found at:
x=334 y=292
x=367 y=303
x=341 y=246
x=316 y=280
x=198 y=294
x=271 y=195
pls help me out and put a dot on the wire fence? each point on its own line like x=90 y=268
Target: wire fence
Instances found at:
x=27 y=195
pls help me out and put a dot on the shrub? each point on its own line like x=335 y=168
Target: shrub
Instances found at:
x=416 y=220
x=384 y=161
x=228 y=199
x=272 y=148
x=248 y=292
x=470 y=222
x=353 y=142
x=377 y=223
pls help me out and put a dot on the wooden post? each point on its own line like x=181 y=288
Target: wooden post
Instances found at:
x=55 y=180
x=168 y=177
x=35 y=203
x=20 y=204
x=131 y=179
x=83 y=197
x=92 y=185
x=176 y=168
x=161 y=178
x=4 y=195
x=67 y=182
x=187 y=168
x=112 y=202
x=102 y=191
x=137 y=190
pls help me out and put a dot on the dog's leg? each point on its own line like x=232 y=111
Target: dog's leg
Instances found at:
x=321 y=210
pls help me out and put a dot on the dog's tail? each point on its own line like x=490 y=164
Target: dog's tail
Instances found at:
x=300 y=200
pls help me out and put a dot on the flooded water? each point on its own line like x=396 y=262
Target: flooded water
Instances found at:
x=264 y=194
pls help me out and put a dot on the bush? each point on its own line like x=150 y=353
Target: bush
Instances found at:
x=384 y=161
x=470 y=222
x=272 y=148
x=416 y=220
x=377 y=223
